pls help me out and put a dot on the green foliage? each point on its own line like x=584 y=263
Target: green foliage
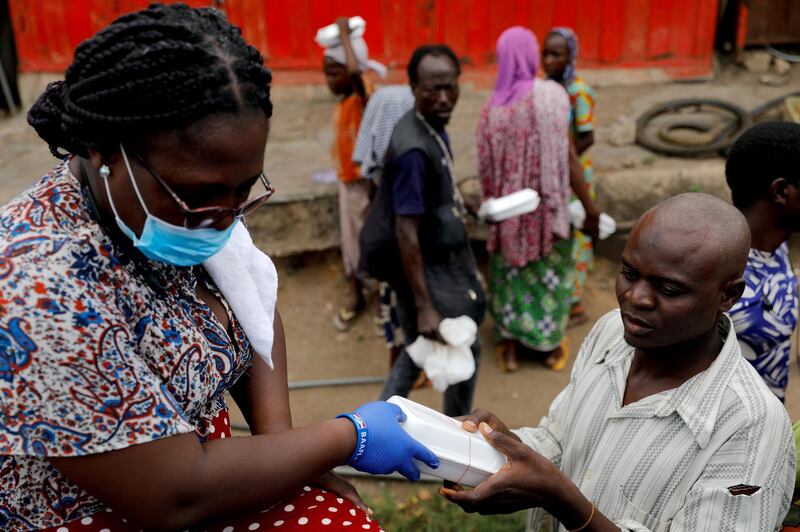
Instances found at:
x=429 y=512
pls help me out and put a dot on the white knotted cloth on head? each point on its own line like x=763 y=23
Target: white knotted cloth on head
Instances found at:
x=336 y=52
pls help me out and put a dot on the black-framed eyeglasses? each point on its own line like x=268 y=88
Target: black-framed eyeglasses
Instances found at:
x=202 y=217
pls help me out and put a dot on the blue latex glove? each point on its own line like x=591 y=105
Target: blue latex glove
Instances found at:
x=388 y=448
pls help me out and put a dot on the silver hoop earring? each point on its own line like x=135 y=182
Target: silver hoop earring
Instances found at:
x=104 y=171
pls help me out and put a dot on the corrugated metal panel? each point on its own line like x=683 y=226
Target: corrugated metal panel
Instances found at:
x=675 y=34
x=47 y=31
x=773 y=22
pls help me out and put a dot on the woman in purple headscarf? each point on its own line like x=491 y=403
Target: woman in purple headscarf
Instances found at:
x=523 y=142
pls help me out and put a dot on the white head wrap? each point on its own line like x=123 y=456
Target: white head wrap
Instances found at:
x=336 y=53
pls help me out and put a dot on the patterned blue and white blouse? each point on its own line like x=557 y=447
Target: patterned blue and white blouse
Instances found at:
x=766 y=315
x=100 y=349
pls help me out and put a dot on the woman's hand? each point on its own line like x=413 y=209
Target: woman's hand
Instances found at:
x=382 y=446
x=591 y=224
x=332 y=482
x=528 y=480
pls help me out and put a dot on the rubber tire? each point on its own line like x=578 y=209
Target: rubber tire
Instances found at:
x=708 y=150
x=758 y=110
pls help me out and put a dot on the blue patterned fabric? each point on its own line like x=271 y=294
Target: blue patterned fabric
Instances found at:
x=766 y=315
x=100 y=349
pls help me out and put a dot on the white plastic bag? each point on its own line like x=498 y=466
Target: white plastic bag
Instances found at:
x=450 y=363
x=608 y=226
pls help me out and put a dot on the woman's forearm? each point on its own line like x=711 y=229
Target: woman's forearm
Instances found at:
x=177 y=482
x=351 y=61
x=263 y=394
x=584 y=141
x=578 y=183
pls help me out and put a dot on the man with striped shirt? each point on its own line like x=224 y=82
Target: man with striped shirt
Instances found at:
x=664 y=426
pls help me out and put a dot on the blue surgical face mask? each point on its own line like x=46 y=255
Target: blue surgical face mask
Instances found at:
x=164 y=242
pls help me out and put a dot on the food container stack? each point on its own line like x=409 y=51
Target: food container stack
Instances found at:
x=464 y=457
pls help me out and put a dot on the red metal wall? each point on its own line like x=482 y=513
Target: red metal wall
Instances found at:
x=674 y=34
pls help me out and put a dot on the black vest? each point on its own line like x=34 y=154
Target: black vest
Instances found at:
x=441 y=232
x=450 y=268
x=411 y=134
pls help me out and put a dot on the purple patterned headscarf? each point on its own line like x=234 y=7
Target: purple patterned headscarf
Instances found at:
x=572 y=48
x=517 y=61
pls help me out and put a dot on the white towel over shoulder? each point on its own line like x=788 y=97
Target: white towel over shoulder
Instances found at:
x=247 y=279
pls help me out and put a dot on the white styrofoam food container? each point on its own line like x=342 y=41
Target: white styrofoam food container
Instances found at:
x=505 y=207
x=464 y=457
x=329 y=35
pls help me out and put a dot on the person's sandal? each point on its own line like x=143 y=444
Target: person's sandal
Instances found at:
x=507 y=357
x=378 y=326
x=344 y=320
x=577 y=316
x=561 y=362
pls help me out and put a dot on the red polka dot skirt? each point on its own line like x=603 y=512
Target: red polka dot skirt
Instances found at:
x=310 y=509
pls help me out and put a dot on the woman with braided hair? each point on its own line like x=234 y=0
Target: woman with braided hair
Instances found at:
x=119 y=332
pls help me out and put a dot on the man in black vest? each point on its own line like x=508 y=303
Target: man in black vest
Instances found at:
x=439 y=276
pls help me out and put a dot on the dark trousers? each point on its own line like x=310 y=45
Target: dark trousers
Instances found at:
x=458 y=397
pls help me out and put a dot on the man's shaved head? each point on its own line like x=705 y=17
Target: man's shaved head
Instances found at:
x=709 y=226
x=681 y=269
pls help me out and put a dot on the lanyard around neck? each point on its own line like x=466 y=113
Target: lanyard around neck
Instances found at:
x=448 y=158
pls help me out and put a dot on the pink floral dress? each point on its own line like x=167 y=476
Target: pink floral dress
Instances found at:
x=525 y=145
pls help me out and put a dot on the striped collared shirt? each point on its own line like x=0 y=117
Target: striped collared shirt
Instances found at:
x=667 y=462
x=385 y=108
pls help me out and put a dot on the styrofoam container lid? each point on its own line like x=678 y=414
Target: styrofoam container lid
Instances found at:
x=505 y=207
x=329 y=35
x=464 y=457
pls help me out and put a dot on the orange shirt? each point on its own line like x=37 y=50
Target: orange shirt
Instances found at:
x=346 y=119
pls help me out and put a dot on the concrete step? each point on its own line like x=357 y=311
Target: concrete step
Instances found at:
x=311 y=222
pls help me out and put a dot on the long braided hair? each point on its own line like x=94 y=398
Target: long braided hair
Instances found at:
x=154 y=70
